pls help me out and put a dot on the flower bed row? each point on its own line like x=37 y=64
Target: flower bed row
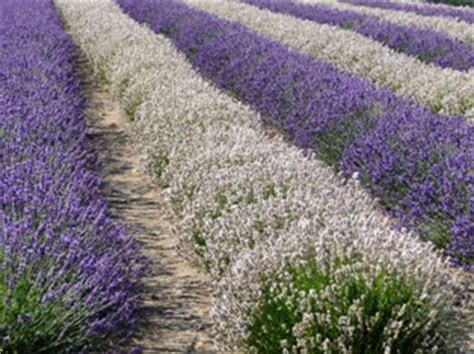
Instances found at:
x=451 y=27
x=453 y=2
x=464 y=14
x=424 y=44
x=415 y=162
x=442 y=90
x=254 y=210
x=68 y=272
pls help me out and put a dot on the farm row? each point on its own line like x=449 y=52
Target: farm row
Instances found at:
x=308 y=159
x=441 y=10
x=301 y=257
x=68 y=272
x=420 y=177
x=442 y=90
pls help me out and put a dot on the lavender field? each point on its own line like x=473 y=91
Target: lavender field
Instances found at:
x=261 y=176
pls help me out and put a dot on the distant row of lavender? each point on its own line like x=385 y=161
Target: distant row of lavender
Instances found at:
x=419 y=164
x=425 y=44
x=453 y=2
x=68 y=272
x=466 y=15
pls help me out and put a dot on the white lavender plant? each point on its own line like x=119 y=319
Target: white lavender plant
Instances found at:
x=445 y=91
x=450 y=26
x=249 y=206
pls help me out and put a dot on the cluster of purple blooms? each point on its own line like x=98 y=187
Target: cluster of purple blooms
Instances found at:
x=58 y=244
x=466 y=15
x=427 y=45
x=418 y=164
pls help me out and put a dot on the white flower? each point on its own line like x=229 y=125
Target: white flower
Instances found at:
x=448 y=89
x=450 y=26
x=218 y=164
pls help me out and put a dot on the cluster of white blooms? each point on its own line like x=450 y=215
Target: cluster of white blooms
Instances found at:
x=246 y=201
x=445 y=90
x=450 y=26
x=239 y=292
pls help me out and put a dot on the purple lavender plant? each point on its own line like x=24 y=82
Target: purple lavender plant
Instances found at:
x=466 y=15
x=69 y=273
x=427 y=45
x=420 y=165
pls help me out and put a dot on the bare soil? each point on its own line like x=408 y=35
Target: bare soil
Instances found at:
x=174 y=316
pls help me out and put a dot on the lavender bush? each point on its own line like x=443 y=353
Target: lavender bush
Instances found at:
x=451 y=27
x=453 y=2
x=444 y=91
x=427 y=45
x=416 y=162
x=466 y=15
x=335 y=293
x=342 y=305
x=69 y=274
x=237 y=188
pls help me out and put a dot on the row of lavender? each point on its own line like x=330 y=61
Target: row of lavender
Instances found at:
x=453 y=2
x=301 y=260
x=444 y=91
x=419 y=164
x=450 y=26
x=466 y=14
x=425 y=44
x=68 y=272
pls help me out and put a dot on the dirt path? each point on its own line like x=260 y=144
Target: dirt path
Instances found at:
x=175 y=314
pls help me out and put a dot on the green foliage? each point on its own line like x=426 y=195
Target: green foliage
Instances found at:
x=469 y=3
x=131 y=109
x=340 y=135
x=437 y=231
x=350 y=308
x=160 y=163
x=31 y=321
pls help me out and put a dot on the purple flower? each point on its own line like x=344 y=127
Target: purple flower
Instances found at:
x=466 y=15
x=418 y=164
x=52 y=216
x=427 y=45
